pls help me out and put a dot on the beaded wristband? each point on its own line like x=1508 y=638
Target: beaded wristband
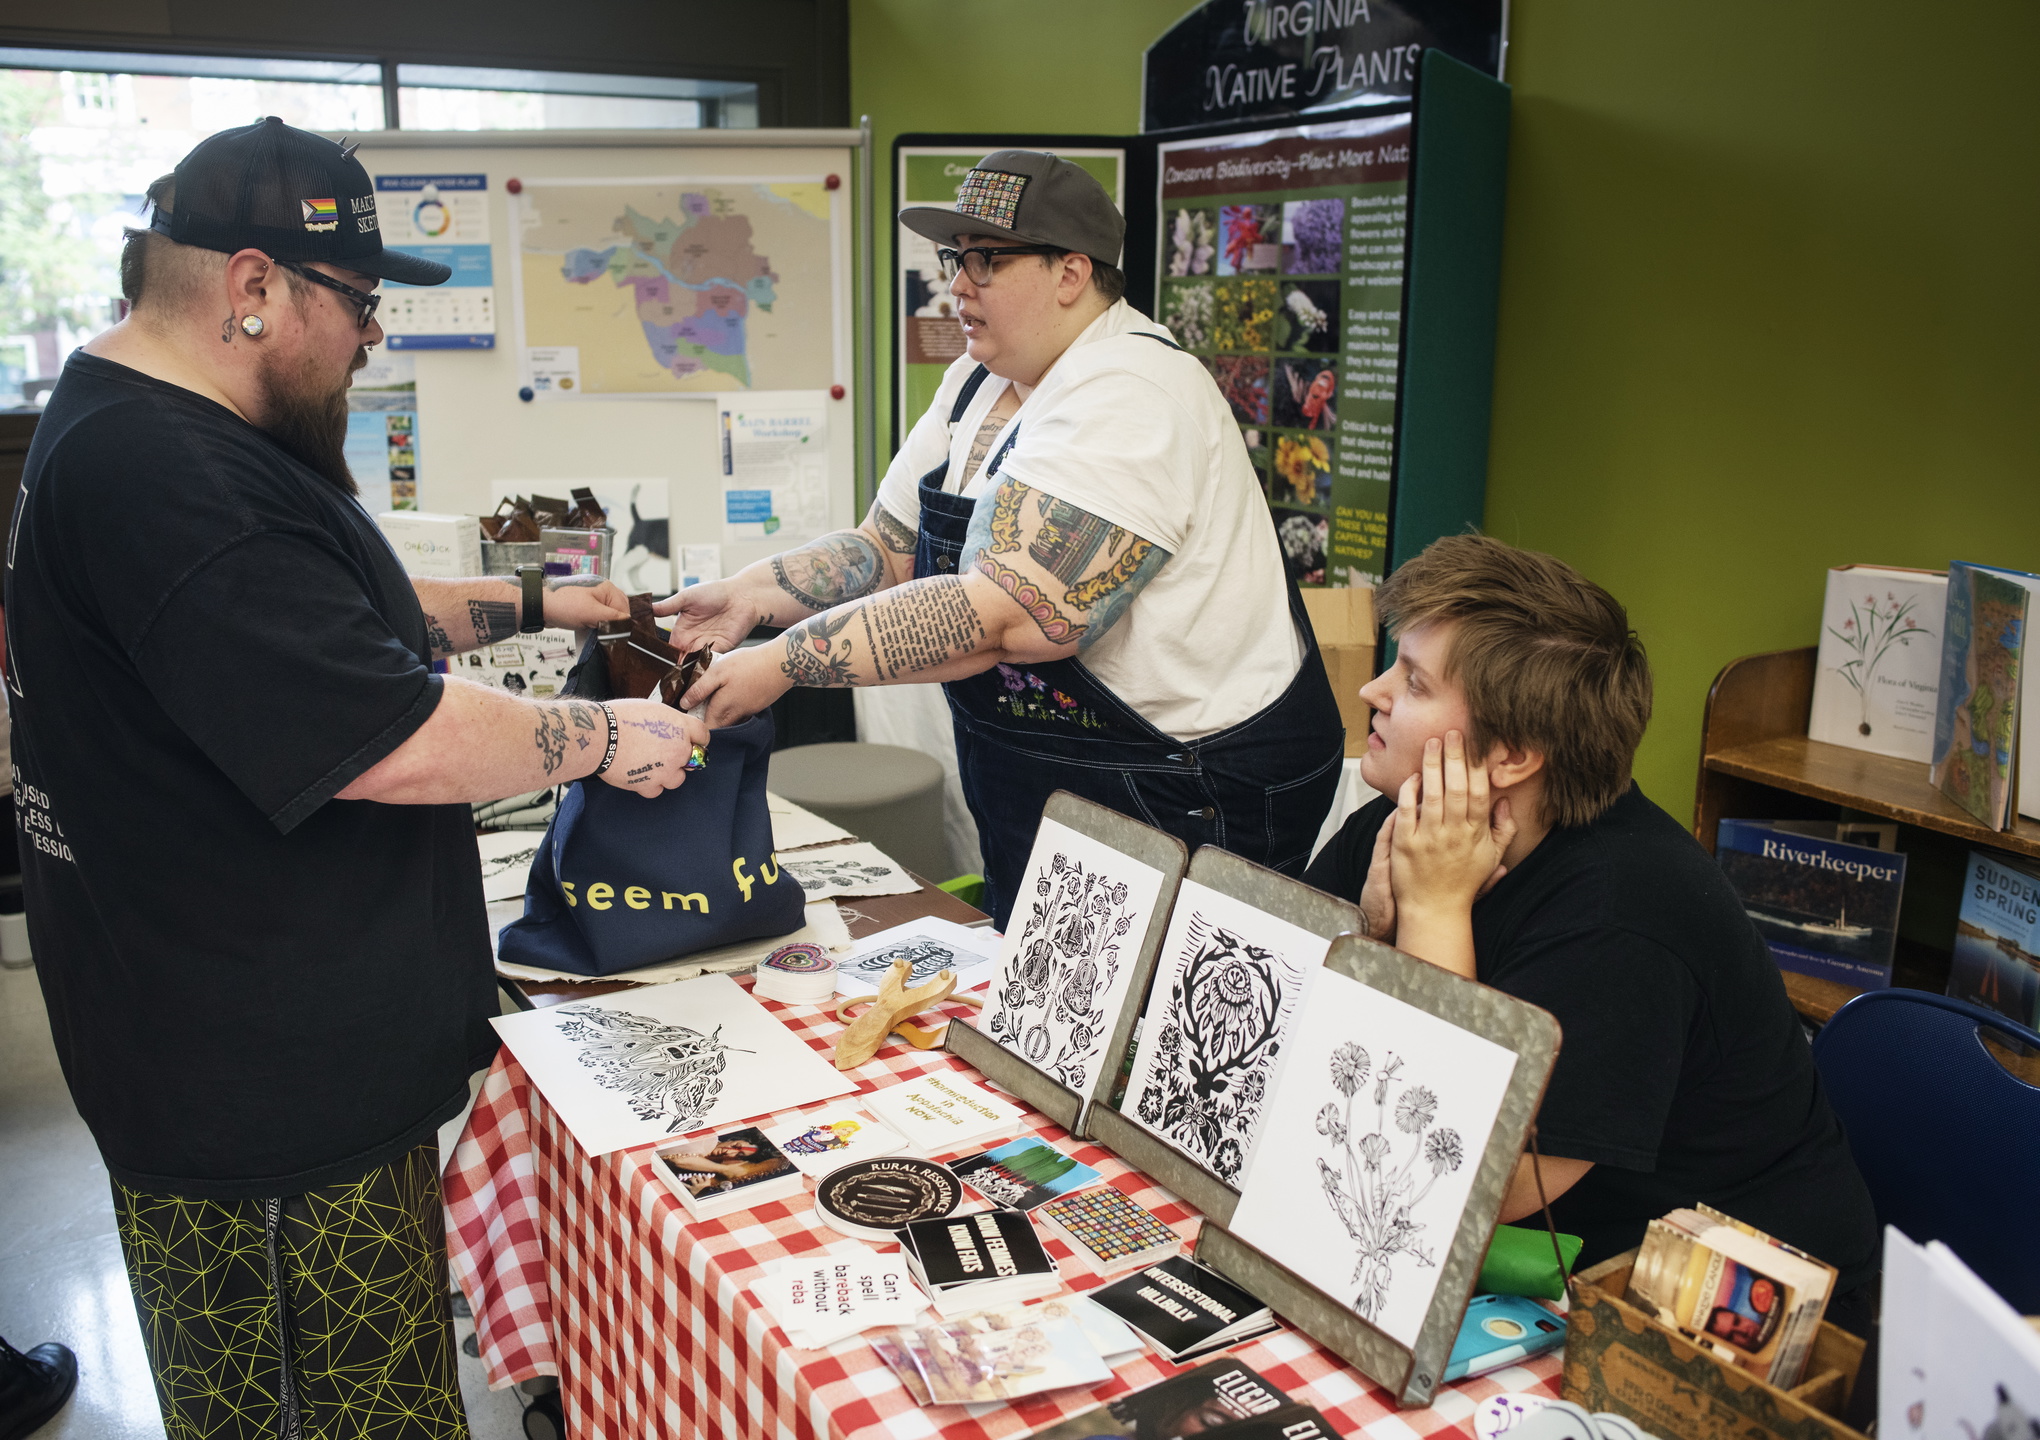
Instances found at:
x=609 y=755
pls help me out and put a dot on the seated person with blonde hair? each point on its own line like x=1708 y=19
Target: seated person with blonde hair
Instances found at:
x=1510 y=845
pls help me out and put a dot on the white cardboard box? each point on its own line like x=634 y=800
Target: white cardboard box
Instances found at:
x=1879 y=668
x=438 y=547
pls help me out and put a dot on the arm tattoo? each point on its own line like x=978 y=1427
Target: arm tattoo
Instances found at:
x=585 y=717
x=982 y=442
x=551 y=736
x=1068 y=539
x=436 y=637
x=1006 y=503
x=1056 y=627
x=493 y=620
x=833 y=569
x=657 y=729
x=921 y=626
x=898 y=537
x=817 y=653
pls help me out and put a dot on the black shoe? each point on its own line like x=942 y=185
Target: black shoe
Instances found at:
x=33 y=1387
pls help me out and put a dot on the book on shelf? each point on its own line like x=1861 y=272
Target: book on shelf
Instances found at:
x=1989 y=695
x=1823 y=895
x=1879 y=666
x=1734 y=1291
x=1997 y=938
x=1209 y=1400
x=1184 y=1309
x=979 y=1262
x=716 y=1174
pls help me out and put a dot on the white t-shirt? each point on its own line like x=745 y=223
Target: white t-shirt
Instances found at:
x=1136 y=433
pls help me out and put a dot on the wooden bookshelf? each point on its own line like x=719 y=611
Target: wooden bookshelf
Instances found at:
x=1756 y=763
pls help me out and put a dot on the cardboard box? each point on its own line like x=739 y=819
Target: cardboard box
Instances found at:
x=531 y=667
x=439 y=547
x=1619 y=1359
x=1344 y=621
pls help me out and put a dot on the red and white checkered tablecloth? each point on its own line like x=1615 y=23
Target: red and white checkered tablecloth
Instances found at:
x=590 y=1270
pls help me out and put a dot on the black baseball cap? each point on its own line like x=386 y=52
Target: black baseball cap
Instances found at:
x=292 y=194
x=1032 y=197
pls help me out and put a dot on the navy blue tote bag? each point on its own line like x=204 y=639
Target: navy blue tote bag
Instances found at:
x=624 y=880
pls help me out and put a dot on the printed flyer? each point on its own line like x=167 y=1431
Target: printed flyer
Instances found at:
x=1281 y=265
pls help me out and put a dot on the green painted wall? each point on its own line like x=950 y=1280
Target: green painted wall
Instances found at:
x=1770 y=296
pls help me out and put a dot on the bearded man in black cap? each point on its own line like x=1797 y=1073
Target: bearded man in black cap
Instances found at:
x=243 y=796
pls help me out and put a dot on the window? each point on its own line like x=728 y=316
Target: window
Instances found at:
x=459 y=97
x=83 y=132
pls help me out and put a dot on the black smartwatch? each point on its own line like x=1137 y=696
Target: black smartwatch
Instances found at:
x=532 y=579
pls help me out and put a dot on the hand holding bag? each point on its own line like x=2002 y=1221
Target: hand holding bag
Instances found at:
x=623 y=880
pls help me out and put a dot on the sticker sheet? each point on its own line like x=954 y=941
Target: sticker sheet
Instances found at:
x=1225 y=991
x=641 y=1066
x=1366 y=1154
x=1075 y=932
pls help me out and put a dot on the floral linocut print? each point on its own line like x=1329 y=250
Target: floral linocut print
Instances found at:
x=1076 y=929
x=1225 y=990
x=1373 y=1132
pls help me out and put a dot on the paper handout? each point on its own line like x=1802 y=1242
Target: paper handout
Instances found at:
x=644 y=1065
x=855 y=869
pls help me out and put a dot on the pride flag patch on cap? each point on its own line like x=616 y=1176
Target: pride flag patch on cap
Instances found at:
x=321 y=214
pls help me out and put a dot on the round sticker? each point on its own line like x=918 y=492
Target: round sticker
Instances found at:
x=1503 y=1328
x=888 y=1193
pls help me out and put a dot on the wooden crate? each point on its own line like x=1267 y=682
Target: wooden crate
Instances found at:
x=1619 y=1359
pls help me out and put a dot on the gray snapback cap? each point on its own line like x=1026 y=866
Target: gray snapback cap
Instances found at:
x=1030 y=197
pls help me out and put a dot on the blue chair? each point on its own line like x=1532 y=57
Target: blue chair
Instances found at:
x=1947 y=1139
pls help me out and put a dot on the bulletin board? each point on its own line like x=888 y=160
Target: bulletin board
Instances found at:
x=651 y=340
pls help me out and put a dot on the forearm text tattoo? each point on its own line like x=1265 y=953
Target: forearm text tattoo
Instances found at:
x=833 y=569
x=493 y=620
x=551 y=736
x=919 y=627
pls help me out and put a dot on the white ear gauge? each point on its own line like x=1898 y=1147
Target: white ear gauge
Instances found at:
x=251 y=325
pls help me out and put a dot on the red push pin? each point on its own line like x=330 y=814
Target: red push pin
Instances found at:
x=514 y=185
x=835 y=392
x=834 y=182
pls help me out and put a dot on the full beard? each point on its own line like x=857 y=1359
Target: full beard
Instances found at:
x=308 y=418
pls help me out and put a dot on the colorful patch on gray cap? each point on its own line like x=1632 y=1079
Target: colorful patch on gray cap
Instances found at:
x=992 y=196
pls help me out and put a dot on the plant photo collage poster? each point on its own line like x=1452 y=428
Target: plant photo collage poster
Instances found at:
x=1281 y=270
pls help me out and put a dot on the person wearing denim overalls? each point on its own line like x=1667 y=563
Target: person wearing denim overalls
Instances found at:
x=1074 y=542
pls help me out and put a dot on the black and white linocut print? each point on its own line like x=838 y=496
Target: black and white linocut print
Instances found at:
x=1074 y=934
x=664 y=1072
x=860 y=868
x=1214 y=1027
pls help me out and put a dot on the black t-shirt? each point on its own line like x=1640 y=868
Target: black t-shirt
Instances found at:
x=255 y=989
x=1684 y=1075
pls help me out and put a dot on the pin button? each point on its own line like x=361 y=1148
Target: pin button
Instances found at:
x=1207 y=813
x=945 y=562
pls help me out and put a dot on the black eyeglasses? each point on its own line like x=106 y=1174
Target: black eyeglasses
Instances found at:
x=366 y=301
x=976 y=261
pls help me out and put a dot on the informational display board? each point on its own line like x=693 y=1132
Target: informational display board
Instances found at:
x=658 y=462
x=1281 y=257
x=443 y=218
x=927 y=338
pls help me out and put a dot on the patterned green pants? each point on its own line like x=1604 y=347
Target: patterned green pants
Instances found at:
x=317 y=1317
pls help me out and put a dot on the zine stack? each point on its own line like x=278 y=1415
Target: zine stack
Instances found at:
x=942 y=1113
x=720 y=1173
x=1185 y=1310
x=979 y=1262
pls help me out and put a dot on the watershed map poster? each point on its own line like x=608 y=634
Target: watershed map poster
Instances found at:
x=1281 y=269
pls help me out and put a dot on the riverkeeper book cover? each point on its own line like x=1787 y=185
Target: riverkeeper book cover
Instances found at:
x=1824 y=907
x=1997 y=938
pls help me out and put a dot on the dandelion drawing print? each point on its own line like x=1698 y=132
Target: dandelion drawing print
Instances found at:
x=1870 y=631
x=1377 y=1180
x=664 y=1072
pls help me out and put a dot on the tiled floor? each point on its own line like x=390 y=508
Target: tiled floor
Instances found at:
x=60 y=1268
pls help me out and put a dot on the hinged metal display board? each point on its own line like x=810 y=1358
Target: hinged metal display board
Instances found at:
x=1158 y=851
x=1411 y=1372
x=1285 y=899
x=1337 y=270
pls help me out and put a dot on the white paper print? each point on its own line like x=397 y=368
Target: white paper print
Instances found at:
x=506 y=862
x=794 y=827
x=642 y=1066
x=859 y=869
x=929 y=946
x=1368 y=1145
x=1225 y=991
x=1074 y=934
x=820 y=1299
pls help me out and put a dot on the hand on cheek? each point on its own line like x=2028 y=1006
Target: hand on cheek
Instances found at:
x=1447 y=850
